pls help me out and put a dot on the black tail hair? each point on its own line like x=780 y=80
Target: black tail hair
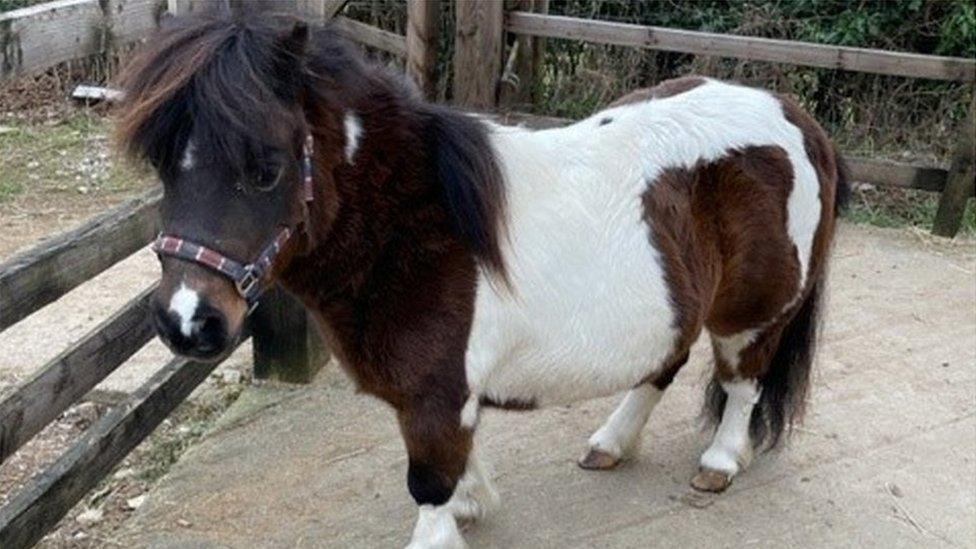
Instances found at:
x=784 y=386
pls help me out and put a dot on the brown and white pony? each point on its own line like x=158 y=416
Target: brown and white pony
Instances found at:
x=454 y=264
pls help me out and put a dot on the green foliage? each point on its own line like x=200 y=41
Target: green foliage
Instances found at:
x=9 y=5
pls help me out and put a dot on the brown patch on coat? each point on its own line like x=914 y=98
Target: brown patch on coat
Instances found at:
x=668 y=88
x=721 y=231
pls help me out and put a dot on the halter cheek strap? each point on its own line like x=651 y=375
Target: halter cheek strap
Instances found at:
x=246 y=277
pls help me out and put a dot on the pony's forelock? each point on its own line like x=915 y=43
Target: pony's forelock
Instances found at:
x=217 y=77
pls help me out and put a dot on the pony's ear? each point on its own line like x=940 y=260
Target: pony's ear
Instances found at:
x=295 y=41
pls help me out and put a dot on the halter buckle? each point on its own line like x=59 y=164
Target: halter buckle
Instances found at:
x=247 y=284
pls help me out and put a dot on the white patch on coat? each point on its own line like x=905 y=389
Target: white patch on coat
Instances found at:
x=731 y=449
x=184 y=304
x=730 y=347
x=436 y=529
x=354 y=130
x=621 y=432
x=589 y=312
x=469 y=413
x=475 y=495
x=189 y=156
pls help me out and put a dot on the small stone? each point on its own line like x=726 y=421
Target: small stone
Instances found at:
x=33 y=164
x=82 y=189
x=90 y=516
x=232 y=377
x=945 y=364
x=80 y=535
x=136 y=502
x=123 y=474
x=895 y=490
x=183 y=523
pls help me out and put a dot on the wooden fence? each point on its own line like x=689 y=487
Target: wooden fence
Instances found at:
x=33 y=40
x=481 y=28
x=36 y=38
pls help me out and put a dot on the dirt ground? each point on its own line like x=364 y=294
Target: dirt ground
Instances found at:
x=886 y=458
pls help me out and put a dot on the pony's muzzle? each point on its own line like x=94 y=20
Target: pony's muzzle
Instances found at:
x=200 y=333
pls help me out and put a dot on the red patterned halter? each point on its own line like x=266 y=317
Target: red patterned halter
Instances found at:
x=247 y=277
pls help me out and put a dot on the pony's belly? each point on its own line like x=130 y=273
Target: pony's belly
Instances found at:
x=520 y=354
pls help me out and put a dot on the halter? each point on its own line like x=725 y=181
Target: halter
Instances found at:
x=247 y=277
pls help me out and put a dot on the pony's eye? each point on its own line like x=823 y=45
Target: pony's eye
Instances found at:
x=269 y=177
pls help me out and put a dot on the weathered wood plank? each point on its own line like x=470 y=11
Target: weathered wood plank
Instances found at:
x=423 y=32
x=34 y=278
x=961 y=179
x=287 y=346
x=478 y=46
x=864 y=170
x=73 y=373
x=35 y=38
x=744 y=47
x=39 y=506
x=896 y=174
x=371 y=36
x=320 y=10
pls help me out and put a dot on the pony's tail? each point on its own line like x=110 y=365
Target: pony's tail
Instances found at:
x=785 y=384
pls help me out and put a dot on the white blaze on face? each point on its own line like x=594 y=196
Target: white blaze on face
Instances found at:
x=354 y=130
x=189 y=159
x=184 y=304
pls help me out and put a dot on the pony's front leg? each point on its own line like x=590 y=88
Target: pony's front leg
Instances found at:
x=438 y=447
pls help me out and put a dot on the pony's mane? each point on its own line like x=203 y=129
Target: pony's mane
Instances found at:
x=224 y=79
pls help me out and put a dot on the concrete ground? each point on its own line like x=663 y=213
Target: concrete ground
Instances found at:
x=886 y=457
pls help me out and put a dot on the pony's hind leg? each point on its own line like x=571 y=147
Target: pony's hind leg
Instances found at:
x=619 y=437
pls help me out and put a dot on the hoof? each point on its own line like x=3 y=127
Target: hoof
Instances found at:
x=710 y=480
x=598 y=460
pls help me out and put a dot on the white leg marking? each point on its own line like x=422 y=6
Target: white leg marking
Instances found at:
x=184 y=303
x=354 y=130
x=730 y=347
x=475 y=495
x=469 y=414
x=436 y=529
x=189 y=156
x=621 y=432
x=731 y=449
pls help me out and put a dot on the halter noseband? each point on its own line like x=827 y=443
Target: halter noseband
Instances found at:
x=246 y=277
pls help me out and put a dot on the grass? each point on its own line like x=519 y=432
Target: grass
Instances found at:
x=900 y=208
x=62 y=156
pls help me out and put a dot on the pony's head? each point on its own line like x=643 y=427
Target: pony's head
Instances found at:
x=215 y=106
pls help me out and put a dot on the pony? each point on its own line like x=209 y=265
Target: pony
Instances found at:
x=454 y=264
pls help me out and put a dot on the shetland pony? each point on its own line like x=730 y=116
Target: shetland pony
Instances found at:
x=454 y=264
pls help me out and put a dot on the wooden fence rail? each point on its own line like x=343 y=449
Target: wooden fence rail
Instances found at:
x=43 y=274
x=36 y=38
x=955 y=185
x=743 y=47
x=39 y=507
x=64 y=380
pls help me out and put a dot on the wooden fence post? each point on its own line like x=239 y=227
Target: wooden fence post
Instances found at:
x=960 y=183
x=518 y=93
x=287 y=346
x=478 y=50
x=423 y=31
